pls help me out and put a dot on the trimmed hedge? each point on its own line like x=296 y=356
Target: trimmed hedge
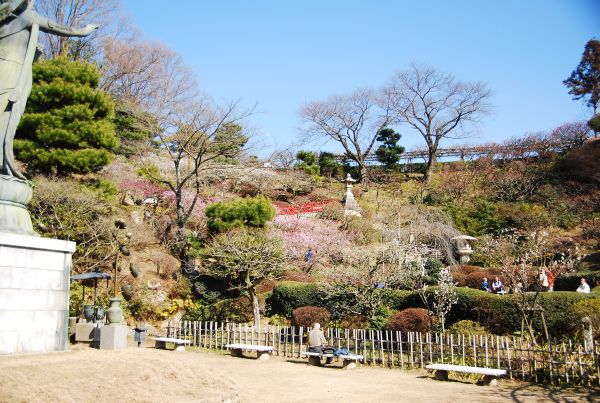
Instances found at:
x=498 y=313
x=290 y=295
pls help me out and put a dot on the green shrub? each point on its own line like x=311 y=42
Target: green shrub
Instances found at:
x=308 y=315
x=379 y=319
x=236 y=310
x=290 y=295
x=182 y=288
x=524 y=215
x=467 y=327
x=247 y=212
x=432 y=270
x=402 y=299
x=104 y=188
x=479 y=219
x=279 y=320
x=409 y=320
x=75 y=299
x=557 y=306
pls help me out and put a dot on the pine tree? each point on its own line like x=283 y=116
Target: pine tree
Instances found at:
x=67 y=126
x=389 y=152
x=584 y=81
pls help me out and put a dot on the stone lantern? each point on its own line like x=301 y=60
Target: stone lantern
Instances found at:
x=351 y=207
x=462 y=244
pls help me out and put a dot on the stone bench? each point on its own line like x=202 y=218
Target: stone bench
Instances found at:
x=349 y=360
x=161 y=342
x=490 y=374
x=237 y=350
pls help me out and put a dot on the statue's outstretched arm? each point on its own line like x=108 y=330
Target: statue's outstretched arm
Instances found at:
x=50 y=27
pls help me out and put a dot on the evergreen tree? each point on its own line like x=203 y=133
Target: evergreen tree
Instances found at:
x=308 y=162
x=132 y=126
x=235 y=213
x=584 y=81
x=389 y=152
x=328 y=165
x=67 y=126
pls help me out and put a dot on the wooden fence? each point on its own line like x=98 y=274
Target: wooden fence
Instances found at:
x=559 y=363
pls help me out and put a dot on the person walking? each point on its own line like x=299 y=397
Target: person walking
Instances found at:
x=550 y=278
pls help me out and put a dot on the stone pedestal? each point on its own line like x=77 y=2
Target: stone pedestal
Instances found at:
x=14 y=195
x=113 y=337
x=87 y=333
x=34 y=293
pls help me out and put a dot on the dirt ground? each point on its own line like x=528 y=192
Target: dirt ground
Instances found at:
x=149 y=375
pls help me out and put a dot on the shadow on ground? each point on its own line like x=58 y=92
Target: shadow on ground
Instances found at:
x=526 y=393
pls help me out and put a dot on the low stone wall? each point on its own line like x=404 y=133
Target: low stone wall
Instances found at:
x=34 y=293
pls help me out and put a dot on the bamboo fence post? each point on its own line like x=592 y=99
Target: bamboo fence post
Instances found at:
x=401 y=355
x=475 y=350
x=442 y=346
x=294 y=340
x=285 y=342
x=380 y=335
x=462 y=342
x=420 y=338
x=487 y=358
x=429 y=341
x=205 y=334
x=222 y=336
x=363 y=334
x=372 y=339
x=451 y=348
x=279 y=340
x=412 y=362
x=579 y=364
x=389 y=336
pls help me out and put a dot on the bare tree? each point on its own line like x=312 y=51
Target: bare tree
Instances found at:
x=72 y=13
x=436 y=105
x=146 y=74
x=351 y=120
x=356 y=284
x=194 y=136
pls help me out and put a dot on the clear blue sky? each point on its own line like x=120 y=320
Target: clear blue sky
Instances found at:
x=281 y=54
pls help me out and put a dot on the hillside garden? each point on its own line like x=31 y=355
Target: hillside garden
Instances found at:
x=158 y=186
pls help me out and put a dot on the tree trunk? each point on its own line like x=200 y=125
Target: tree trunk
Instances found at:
x=255 y=307
x=364 y=176
x=429 y=167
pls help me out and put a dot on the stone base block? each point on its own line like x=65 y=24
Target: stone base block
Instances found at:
x=113 y=337
x=87 y=332
x=34 y=293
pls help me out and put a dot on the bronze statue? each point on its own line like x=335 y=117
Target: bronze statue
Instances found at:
x=20 y=25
